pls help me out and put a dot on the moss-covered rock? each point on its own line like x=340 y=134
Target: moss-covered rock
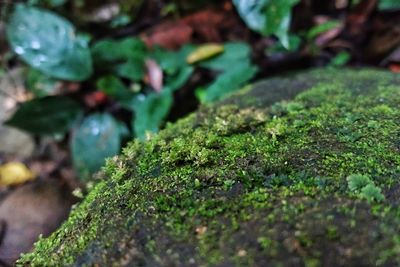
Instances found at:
x=257 y=180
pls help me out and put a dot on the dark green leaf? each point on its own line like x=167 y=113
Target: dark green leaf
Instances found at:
x=49 y=43
x=340 y=59
x=229 y=82
x=234 y=54
x=150 y=112
x=321 y=28
x=133 y=69
x=46 y=116
x=174 y=82
x=97 y=138
x=40 y=84
x=294 y=45
x=118 y=50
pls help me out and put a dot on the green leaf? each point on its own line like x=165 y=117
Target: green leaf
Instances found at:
x=49 y=43
x=252 y=12
x=171 y=61
x=174 y=82
x=150 y=111
x=372 y=193
x=46 y=116
x=234 y=54
x=40 y=84
x=356 y=182
x=321 y=28
x=389 y=4
x=268 y=17
x=118 y=50
x=229 y=82
x=294 y=45
x=113 y=87
x=133 y=69
x=278 y=17
x=340 y=59
x=97 y=138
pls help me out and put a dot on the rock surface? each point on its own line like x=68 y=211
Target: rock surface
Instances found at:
x=256 y=180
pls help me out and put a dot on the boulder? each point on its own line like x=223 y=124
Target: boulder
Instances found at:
x=296 y=171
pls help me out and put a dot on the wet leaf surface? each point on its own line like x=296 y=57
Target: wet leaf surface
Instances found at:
x=95 y=139
x=49 y=43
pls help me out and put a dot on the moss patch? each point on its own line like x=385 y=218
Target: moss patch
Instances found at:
x=257 y=180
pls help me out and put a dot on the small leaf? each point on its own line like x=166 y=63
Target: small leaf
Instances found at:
x=150 y=112
x=234 y=53
x=229 y=82
x=174 y=82
x=204 y=52
x=170 y=61
x=49 y=43
x=15 y=173
x=133 y=69
x=97 y=138
x=340 y=59
x=46 y=116
x=321 y=28
x=116 y=50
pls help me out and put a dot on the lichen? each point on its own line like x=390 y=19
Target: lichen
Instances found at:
x=259 y=182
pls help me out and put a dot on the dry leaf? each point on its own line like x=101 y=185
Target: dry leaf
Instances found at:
x=204 y=52
x=154 y=75
x=14 y=173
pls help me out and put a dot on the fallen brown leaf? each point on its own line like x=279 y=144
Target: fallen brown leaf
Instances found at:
x=29 y=211
x=206 y=26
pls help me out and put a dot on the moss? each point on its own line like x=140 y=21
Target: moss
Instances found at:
x=257 y=180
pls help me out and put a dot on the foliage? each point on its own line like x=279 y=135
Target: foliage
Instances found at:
x=357 y=181
x=389 y=4
x=40 y=84
x=49 y=43
x=96 y=138
x=46 y=116
x=118 y=70
x=269 y=17
x=236 y=68
x=364 y=187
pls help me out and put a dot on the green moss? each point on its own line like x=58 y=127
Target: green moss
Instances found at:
x=259 y=182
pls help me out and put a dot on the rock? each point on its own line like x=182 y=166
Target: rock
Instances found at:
x=13 y=141
x=256 y=180
x=29 y=211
